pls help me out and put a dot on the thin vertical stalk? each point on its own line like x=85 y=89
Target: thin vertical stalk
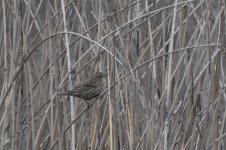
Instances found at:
x=51 y=74
x=115 y=116
x=152 y=54
x=72 y=104
x=111 y=141
x=168 y=84
x=3 y=124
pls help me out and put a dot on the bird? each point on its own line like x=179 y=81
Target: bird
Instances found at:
x=89 y=89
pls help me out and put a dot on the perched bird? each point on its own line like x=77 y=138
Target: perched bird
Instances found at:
x=90 y=89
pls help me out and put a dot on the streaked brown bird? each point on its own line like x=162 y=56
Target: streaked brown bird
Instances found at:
x=90 y=89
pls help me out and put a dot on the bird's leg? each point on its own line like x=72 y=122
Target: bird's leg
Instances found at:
x=87 y=104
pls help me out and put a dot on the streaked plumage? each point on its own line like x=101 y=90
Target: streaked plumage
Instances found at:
x=90 y=89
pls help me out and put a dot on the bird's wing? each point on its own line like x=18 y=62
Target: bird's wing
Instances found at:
x=81 y=88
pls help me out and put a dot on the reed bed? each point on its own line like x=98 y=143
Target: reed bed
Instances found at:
x=166 y=65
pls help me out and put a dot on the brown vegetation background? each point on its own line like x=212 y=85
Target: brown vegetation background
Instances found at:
x=166 y=67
